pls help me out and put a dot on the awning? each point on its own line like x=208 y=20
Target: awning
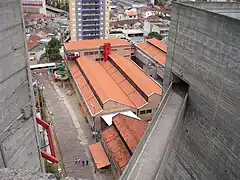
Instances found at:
x=99 y=156
x=108 y=118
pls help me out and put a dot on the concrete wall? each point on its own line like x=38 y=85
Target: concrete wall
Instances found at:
x=204 y=51
x=18 y=140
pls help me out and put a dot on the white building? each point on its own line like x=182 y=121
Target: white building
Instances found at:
x=34 y=6
x=161 y=27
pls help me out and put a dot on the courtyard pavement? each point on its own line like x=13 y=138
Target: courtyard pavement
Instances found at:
x=72 y=131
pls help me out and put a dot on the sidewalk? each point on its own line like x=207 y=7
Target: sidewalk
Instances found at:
x=68 y=137
x=72 y=131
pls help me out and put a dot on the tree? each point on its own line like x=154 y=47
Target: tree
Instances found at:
x=155 y=35
x=53 y=50
x=161 y=3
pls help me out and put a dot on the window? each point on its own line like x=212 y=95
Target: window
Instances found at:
x=86 y=53
x=90 y=53
x=95 y=52
x=127 y=48
x=142 y=112
x=126 y=56
x=149 y=111
x=113 y=49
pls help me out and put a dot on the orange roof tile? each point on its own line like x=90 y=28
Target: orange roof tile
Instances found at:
x=33 y=41
x=99 y=156
x=119 y=151
x=138 y=100
x=159 y=44
x=118 y=77
x=130 y=129
x=153 y=52
x=142 y=80
x=131 y=13
x=94 y=106
x=91 y=101
x=102 y=83
x=126 y=87
x=93 y=44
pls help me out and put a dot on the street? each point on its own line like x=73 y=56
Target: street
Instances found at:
x=72 y=132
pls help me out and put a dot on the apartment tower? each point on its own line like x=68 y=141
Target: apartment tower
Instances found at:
x=89 y=19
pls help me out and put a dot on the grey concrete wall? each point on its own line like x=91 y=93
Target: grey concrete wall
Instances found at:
x=18 y=140
x=204 y=50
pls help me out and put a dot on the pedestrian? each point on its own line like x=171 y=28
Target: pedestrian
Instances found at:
x=76 y=161
x=79 y=161
x=86 y=162
x=83 y=163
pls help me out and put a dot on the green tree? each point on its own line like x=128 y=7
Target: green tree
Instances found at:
x=161 y=2
x=53 y=50
x=52 y=168
x=155 y=35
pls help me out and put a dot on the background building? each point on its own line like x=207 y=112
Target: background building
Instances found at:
x=18 y=135
x=199 y=113
x=151 y=57
x=89 y=19
x=34 y=6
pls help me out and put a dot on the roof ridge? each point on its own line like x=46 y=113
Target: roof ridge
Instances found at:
x=133 y=105
x=140 y=70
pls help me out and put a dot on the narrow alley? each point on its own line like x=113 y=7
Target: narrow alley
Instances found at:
x=72 y=132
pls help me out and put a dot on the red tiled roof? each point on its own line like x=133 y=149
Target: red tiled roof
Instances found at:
x=93 y=44
x=118 y=150
x=130 y=129
x=99 y=156
x=138 y=101
x=102 y=82
x=33 y=41
x=154 y=49
x=125 y=129
x=91 y=101
x=131 y=13
x=159 y=44
x=142 y=80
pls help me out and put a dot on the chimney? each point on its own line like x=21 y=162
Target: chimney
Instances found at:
x=106 y=50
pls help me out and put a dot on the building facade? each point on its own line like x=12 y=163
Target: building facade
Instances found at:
x=89 y=19
x=19 y=147
x=107 y=81
x=34 y=6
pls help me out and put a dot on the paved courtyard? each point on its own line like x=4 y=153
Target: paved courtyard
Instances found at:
x=72 y=132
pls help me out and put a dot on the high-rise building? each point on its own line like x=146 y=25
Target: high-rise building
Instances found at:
x=89 y=19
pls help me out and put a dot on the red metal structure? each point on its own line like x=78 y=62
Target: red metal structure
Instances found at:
x=53 y=156
x=72 y=55
x=107 y=51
